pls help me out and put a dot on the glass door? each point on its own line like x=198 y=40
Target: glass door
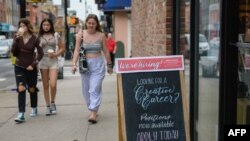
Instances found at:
x=209 y=71
x=205 y=109
x=243 y=94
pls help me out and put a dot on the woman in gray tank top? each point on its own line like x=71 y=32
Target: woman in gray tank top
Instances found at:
x=49 y=63
x=94 y=43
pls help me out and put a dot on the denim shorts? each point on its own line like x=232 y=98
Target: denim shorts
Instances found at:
x=48 y=63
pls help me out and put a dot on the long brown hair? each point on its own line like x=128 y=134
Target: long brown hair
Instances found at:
x=27 y=23
x=51 y=30
x=93 y=16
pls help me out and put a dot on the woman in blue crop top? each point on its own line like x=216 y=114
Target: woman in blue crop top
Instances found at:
x=94 y=43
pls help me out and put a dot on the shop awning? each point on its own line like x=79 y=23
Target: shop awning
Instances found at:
x=117 y=5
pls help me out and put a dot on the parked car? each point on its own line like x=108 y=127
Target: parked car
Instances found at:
x=4 y=48
x=10 y=41
x=203 y=45
x=2 y=37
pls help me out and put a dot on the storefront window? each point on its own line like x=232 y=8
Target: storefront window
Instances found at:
x=243 y=96
x=209 y=44
x=209 y=71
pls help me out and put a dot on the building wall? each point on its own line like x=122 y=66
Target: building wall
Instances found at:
x=37 y=12
x=151 y=27
x=8 y=8
x=187 y=18
x=15 y=13
x=32 y=13
x=2 y=11
x=9 y=17
x=120 y=23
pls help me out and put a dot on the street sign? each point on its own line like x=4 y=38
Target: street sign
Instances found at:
x=151 y=99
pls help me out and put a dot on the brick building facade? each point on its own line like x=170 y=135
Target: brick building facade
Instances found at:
x=2 y=11
x=152 y=27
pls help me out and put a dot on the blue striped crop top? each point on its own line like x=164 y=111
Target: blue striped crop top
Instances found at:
x=95 y=47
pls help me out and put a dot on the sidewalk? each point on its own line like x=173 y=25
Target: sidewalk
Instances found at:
x=70 y=123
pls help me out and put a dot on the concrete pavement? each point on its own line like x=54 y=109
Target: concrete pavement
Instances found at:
x=70 y=123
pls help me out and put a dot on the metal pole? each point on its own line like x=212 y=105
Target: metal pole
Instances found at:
x=85 y=6
x=22 y=8
x=67 y=53
x=194 y=67
x=176 y=26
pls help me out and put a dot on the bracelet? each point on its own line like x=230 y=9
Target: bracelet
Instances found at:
x=109 y=63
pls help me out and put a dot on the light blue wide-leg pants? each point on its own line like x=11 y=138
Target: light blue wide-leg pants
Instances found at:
x=92 y=83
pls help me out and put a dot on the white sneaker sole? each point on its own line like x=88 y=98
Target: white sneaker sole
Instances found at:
x=53 y=112
x=33 y=115
x=19 y=121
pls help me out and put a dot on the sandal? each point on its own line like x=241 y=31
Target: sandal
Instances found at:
x=92 y=117
x=92 y=120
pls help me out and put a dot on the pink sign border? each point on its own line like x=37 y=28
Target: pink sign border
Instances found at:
x=136 y=60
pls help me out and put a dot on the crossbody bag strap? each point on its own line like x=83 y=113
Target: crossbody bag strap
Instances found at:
x=81 y=49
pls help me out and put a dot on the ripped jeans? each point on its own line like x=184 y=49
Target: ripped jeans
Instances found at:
x=26 y=80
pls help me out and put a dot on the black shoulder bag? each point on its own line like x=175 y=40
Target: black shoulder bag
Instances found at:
x=83 y=64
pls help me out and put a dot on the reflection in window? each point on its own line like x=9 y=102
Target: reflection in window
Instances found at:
x=208 y=97
x=243 y=94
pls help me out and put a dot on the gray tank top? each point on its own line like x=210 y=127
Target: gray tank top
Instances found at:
x=48 y=44
x=95 y=47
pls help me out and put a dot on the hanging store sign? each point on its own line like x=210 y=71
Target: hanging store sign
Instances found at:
x=152 y=102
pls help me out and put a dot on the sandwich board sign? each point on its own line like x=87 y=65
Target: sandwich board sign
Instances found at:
x=151 y=99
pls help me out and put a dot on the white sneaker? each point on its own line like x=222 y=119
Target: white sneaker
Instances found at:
x=33 y=112
x=20 y=118
x=53 y=108
x=48 y=111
